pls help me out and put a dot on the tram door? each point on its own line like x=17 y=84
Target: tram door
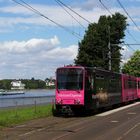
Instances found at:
x=89 y=88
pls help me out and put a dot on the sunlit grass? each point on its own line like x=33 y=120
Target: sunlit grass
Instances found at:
x=9 y=117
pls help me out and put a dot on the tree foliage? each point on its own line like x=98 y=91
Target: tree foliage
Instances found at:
x=29 y=84
x=132 y=67
x=5 y=84
x=93 y=49
x=34 y=84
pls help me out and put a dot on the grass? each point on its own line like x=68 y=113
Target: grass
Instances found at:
x=10 y=117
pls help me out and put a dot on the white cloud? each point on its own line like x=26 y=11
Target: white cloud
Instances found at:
x=68 y=53
x=126 y=54
x=21 y=15
x=15 y=10
x=32 y=45
x=4 y=30
x=133 y=11
x=40 y=57
x=13 y=21
x=34 y=58
x=18 y=15
x=89 y=5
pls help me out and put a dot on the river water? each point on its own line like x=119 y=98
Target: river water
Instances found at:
x=31 y=97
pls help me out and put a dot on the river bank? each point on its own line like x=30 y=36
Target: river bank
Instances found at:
x=15 y=109
x=13 y=116
x=30 y=97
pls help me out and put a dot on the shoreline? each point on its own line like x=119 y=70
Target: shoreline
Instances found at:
x=24 y=106
x=30 y=98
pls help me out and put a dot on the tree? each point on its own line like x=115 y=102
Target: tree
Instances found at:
x=132 y=67
x=5 y=84
x=93 y=49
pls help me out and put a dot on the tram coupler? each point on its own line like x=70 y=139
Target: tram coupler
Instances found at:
x=66 y=110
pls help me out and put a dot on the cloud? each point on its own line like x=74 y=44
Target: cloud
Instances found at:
x=68 y=53
x=93 y=4
x=32 y=45
x=15 y=10
x=37 y=58
x=20 y=15
x=89 y=5
x=126 y=54
x=89 y=9
x=134 y=1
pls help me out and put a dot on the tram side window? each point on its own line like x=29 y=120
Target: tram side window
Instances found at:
x=131 y=84
x=89 y=82
x=100 y=82
x=134 y=85
x=139 y=84
x=114 y=82
x=99 y=77
x=126 y=84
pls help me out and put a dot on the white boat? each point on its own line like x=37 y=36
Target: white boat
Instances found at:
x=17 y=88
x=2 y=91
x=12 y=92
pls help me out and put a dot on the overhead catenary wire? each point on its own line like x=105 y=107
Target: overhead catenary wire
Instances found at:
x=132 y=44
x=74 y=11
x=112 y=14
x=132 y=36
x=125 y=44
x=29 y=7
x=126 y=30
x=128 y=14
x=105 y=7
x=129 y=46
x=70 y=14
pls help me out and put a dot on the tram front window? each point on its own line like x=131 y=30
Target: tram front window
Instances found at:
x=70 y=79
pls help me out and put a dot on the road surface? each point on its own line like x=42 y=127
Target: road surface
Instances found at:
x=118 y=124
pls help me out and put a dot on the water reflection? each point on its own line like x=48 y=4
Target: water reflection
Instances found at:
x=30 y=97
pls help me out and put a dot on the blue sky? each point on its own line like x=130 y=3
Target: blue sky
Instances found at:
x=31 y=46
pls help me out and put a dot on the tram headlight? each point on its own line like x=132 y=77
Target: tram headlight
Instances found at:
x=77 y=101
x=59 y=101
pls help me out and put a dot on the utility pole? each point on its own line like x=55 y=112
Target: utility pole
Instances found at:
x=109 y=52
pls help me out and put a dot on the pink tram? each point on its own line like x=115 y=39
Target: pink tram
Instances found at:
x=129 y=88
x=83 y=88
x=138 y=87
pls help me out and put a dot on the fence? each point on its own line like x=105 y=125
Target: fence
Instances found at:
x=25 y=101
